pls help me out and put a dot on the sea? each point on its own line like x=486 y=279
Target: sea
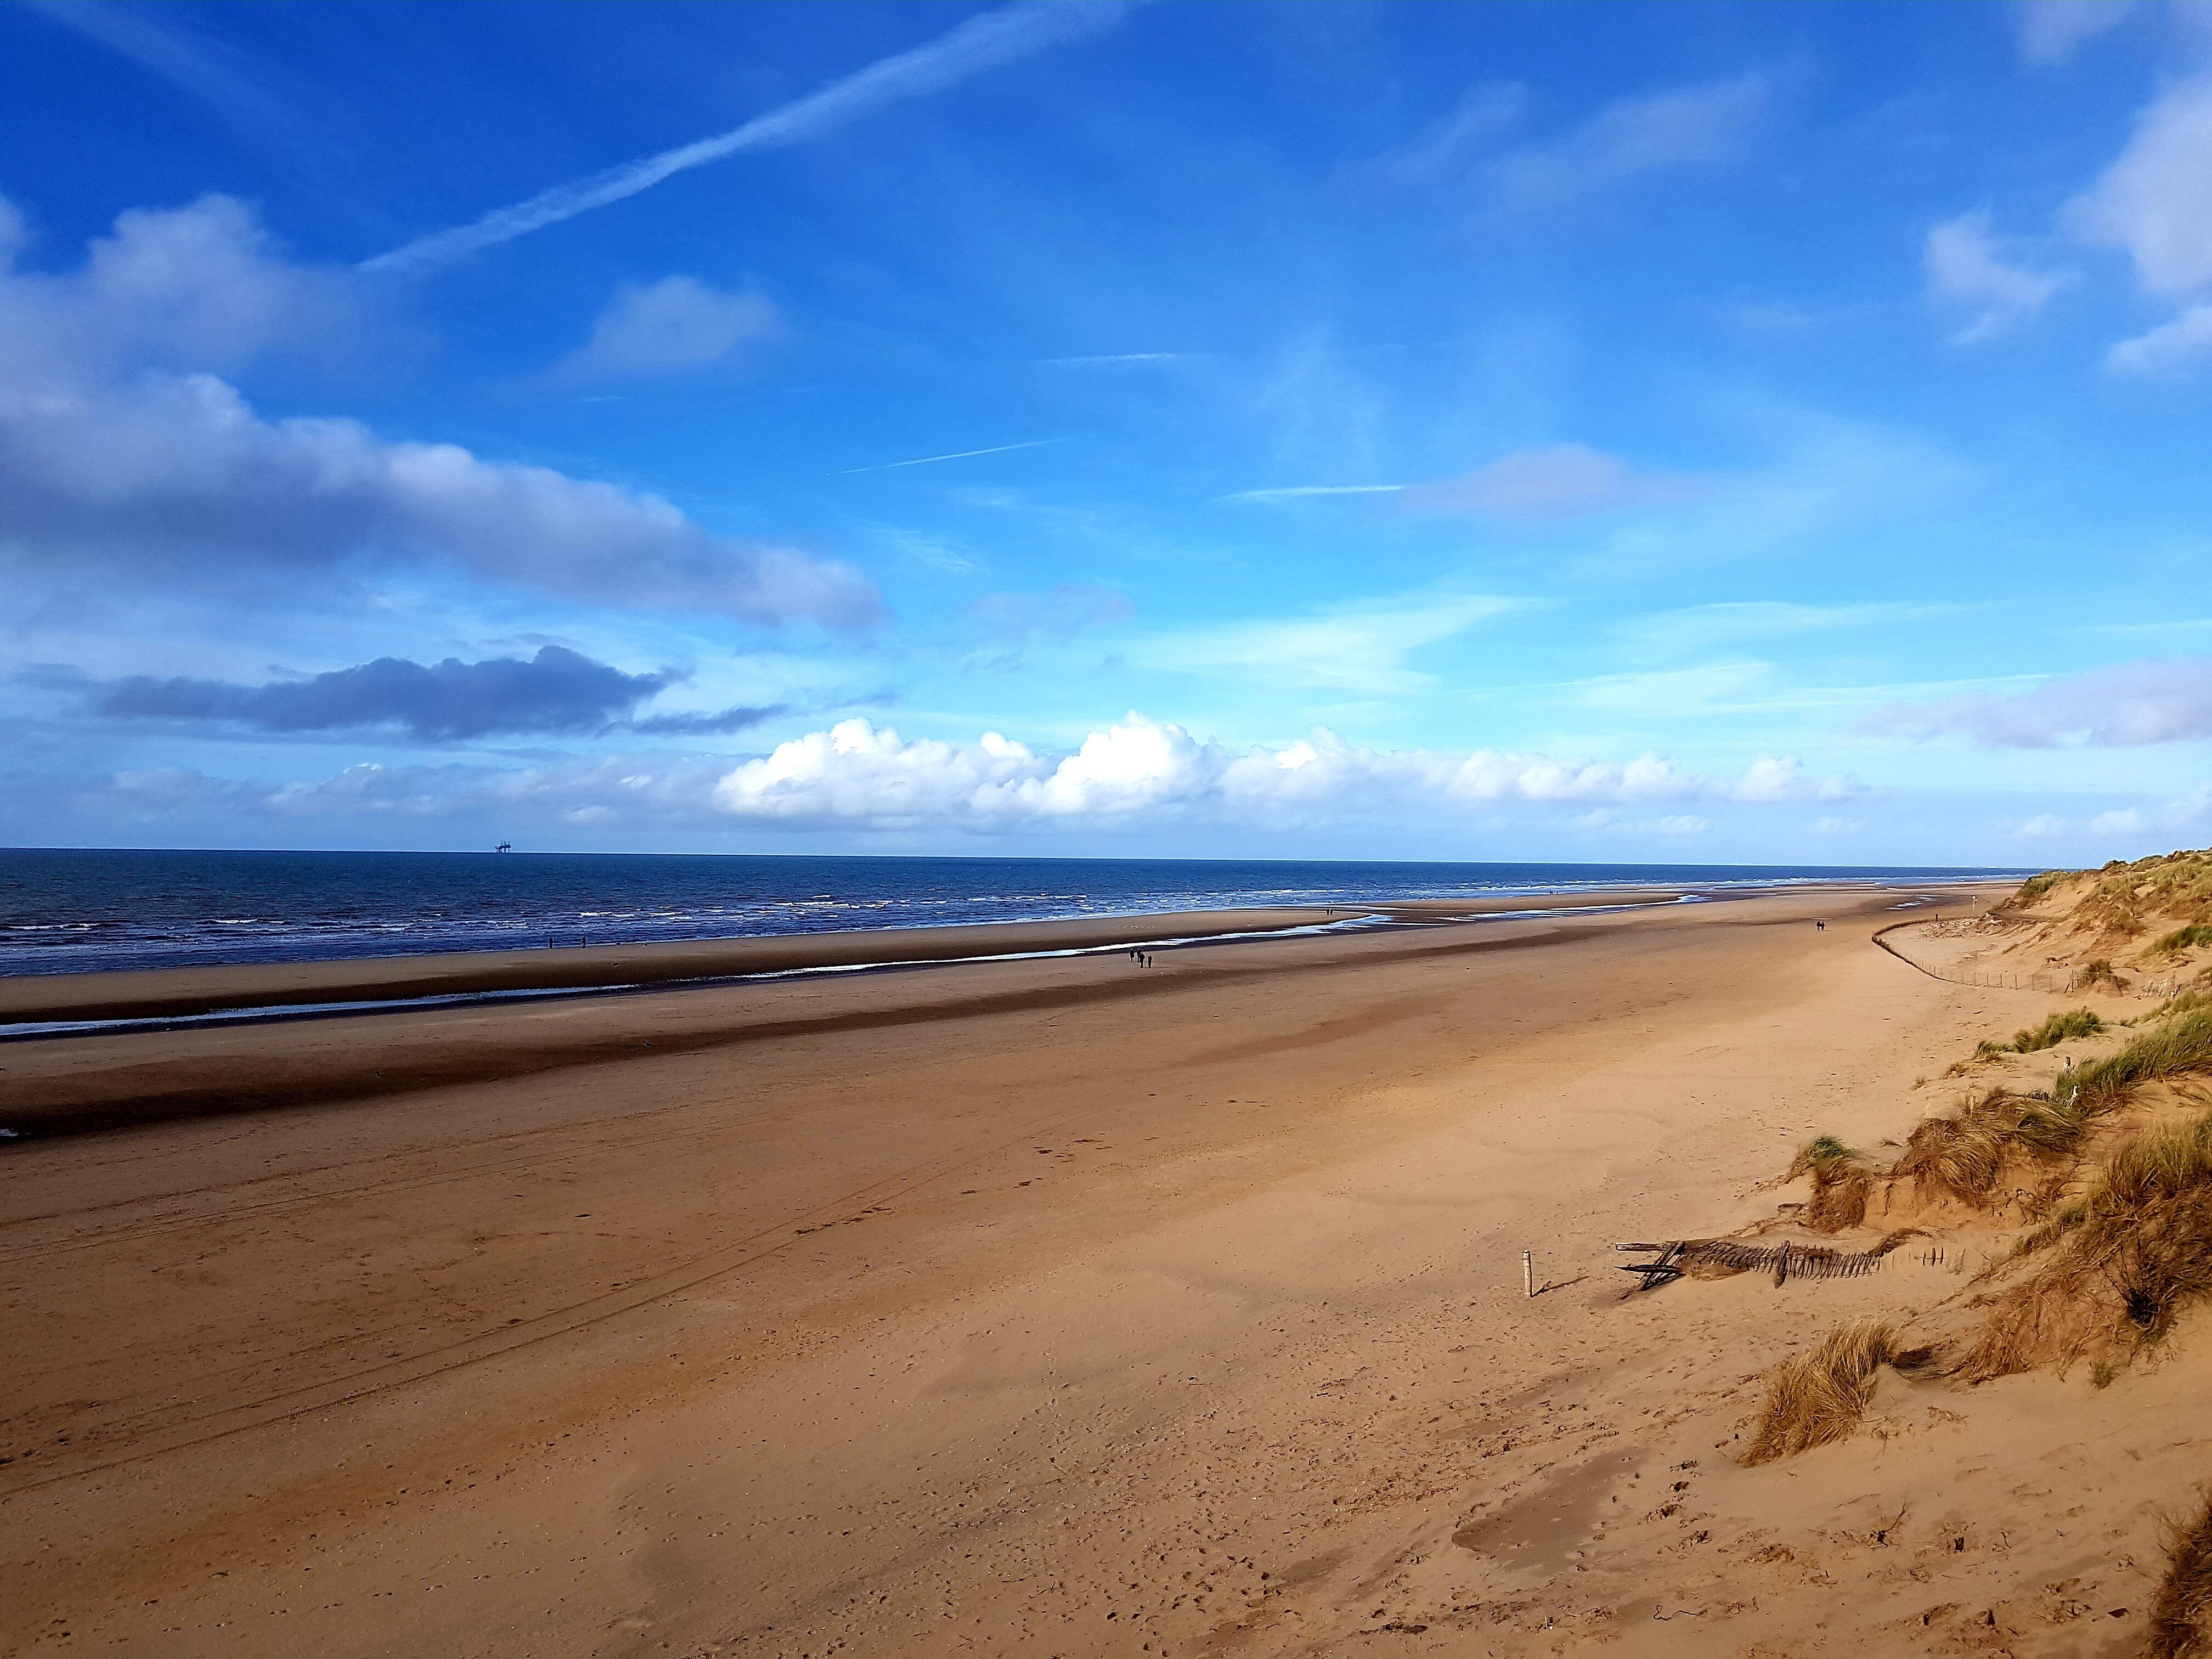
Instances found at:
x=64 y=911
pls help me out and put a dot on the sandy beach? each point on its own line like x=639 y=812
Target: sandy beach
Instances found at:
x=1044 y=1307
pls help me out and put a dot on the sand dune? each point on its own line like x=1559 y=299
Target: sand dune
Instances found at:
x=1040 y=1307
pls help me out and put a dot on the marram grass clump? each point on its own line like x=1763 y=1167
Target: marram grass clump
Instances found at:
x=2181 y=1616
x=2112 y=1270
x=1819 y=1396
x=2059 y=1028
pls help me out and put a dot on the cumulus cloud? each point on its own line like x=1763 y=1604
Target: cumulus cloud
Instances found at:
x=1136 y=776
x=675 y=325
x=2167 y=700
x=1683 y=126
x=1561 y=481
x=1967 y=266
x=857 y=773
x=558 y=690
x=2049 y=31
x=122 y=453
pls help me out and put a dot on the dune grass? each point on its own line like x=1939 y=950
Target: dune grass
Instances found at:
x=2059 y=1028
x=2036 y=886
x=2185 y=938
x=2181 y=1615
x=1819 y=1396
x=1963 y=1155
x=2116 y=1267
x=2182 y=1042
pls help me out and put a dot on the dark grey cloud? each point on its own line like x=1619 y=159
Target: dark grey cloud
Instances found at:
x=558 y=690
x=2160 y=699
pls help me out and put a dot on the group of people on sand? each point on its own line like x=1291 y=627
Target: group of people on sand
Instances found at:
x=1142 y=959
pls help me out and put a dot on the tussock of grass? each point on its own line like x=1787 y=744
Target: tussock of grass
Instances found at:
x=2036 y=886
x=1819 y=1396
x=2181 y=1616
x=2059 y=1028
x=1962 y=1156
x=2117 y=1266
x=1842 y=1184
x=2185 y=938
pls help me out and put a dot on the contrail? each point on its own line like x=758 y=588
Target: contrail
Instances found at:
x=956 y=455
x=981 y=43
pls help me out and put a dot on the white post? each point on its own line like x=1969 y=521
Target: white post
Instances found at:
x=1528 y=1274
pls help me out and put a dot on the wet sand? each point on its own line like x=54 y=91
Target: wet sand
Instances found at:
x=183 y=993
x=1044 y=1307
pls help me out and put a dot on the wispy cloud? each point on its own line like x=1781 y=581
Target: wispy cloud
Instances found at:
x=1295 y=492
x=1558 y=481
x=1120 y=360
x=2049 y=31
x=1630 y=137
x=1362 y=649
x=956 y=455
x=982 y=43
x=1967 y=265
x=1698 y=628
x=237 y=87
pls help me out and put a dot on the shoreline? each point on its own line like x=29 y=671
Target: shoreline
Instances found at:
x=36 y=1007
x=166 y=994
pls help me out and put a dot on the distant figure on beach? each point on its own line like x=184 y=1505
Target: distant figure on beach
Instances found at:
x=1820 y=927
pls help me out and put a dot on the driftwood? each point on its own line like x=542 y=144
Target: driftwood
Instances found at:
x=1716 y=1256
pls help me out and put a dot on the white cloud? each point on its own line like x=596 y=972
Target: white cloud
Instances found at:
x=2125 y=821
x=2154 y=202
x=676 y=324
x=858 y=774
x=1362 y=649
x=1136 y=776
x=2161 y=700
x=1633 y=137
x=121 y=453
x=2048 y=31
x=1964 y=266
x=2169 y=346
x=1562 y=481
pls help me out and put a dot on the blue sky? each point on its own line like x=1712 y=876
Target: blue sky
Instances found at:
x=1707 y=433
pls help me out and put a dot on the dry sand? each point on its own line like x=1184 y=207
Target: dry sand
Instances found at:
x=1044 y=1307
